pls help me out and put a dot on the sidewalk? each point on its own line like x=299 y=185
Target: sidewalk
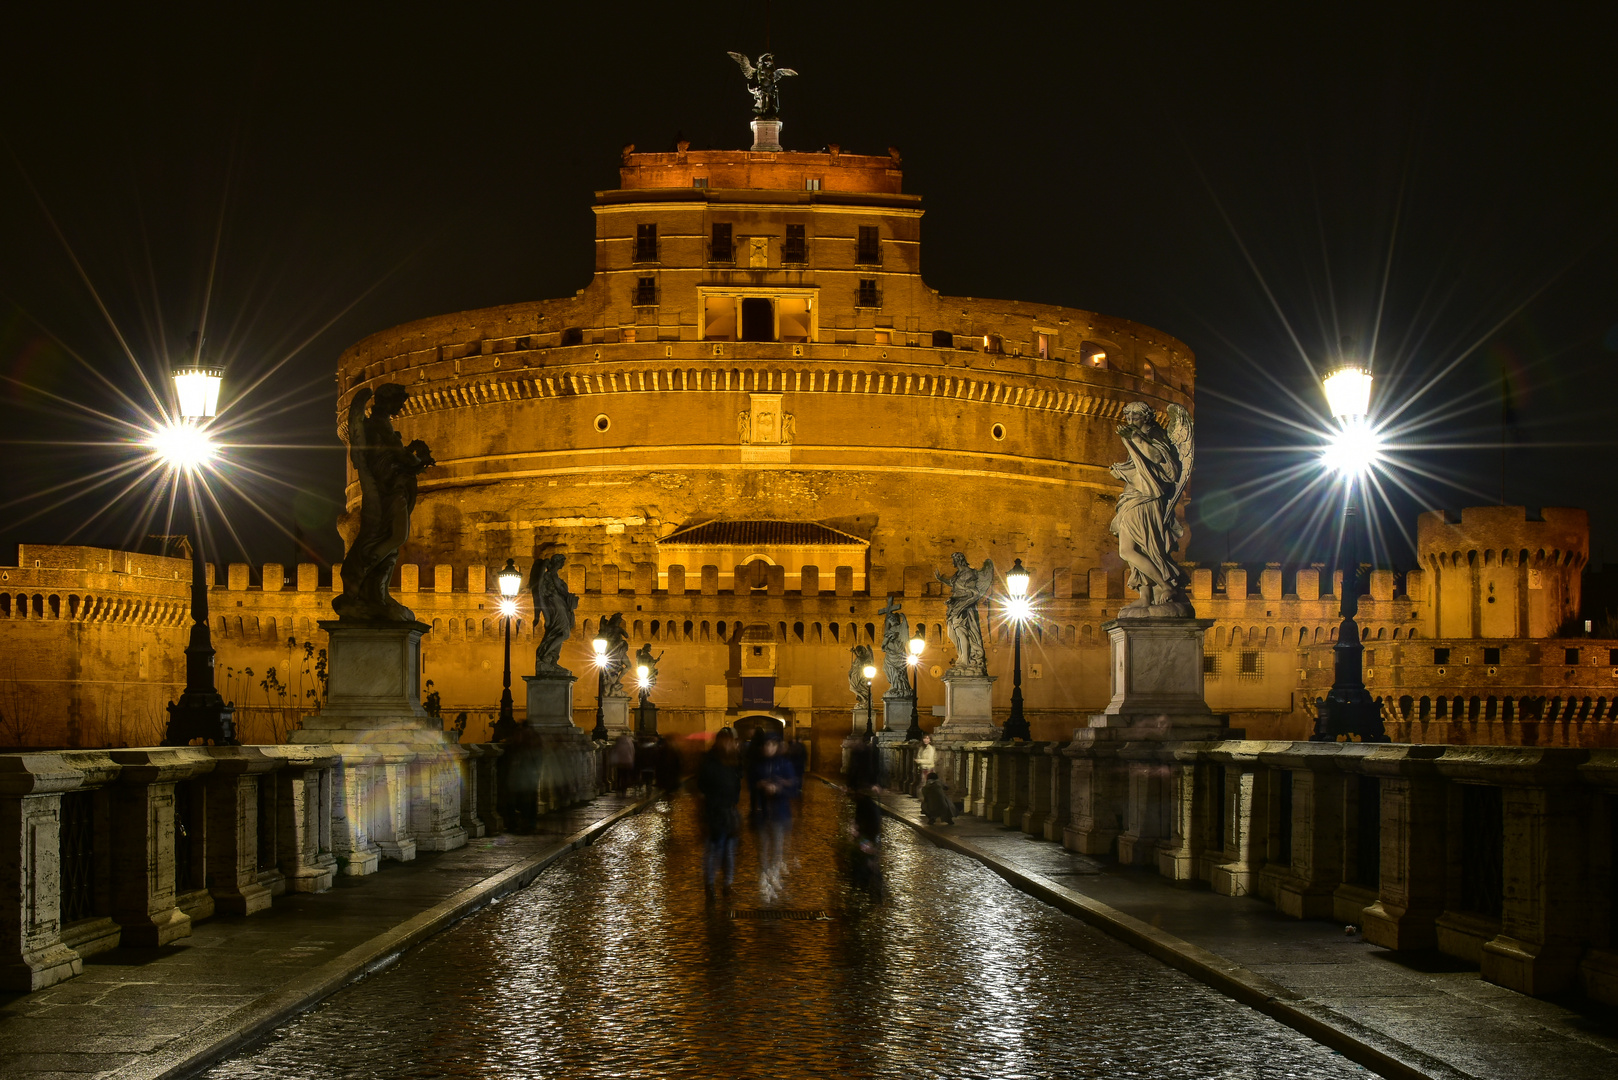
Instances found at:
x=1402 y=1016
x=150 y=1013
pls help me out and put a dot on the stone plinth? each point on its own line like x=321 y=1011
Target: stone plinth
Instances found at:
x=766 y=136
x=898 y=713
x=398 y=780
x=968 y=707
x=1156 y=684
x=615 y=714
x=375 y=676
x=550 y=701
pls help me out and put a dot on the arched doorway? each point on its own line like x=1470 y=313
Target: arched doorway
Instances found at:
x=746 y=725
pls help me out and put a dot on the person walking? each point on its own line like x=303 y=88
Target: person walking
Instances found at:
x=719 y=782
x=771 y=786
x=935 y=802
x=621 y=758
x=926 y=762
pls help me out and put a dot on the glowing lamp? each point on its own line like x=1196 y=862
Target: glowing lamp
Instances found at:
x=1017 y=580
x=508 y=608
x=183 y=446
x=917 y=647
x=1348 y=393
x=197 y=389
x=869 y=671
x=600 y=647
x=510 y=578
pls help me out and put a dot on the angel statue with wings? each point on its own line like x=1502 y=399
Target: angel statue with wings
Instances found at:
x=857 y=682
x=896 y=649
x=387 y=471
x=556 y=602
x=968 y=586
x=1154 y=478
x=763 y=83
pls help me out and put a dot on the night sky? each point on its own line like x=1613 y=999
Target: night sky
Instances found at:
x=1261 y=181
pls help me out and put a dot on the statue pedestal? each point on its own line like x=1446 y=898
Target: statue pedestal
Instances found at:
x=399 y=784
x=550 y=701
x=858 y=717
x=1156 y=684
x=646 y=719
x=898 y=713
x=968 y=708
x=615 y=714
x=766 y=136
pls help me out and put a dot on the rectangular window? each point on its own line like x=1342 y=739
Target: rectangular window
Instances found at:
x=1612 y=658
x=1440 y=656
x=645 y=243
x=1491 y=656
x=721 y=249
x=1571 y=656
x=811 y=183
x=1043 y=344
x=1250 y=663
x=1210 y=664
x=883 y=337
x=870 y=249
x=645 y=291
x=700 y=182
x=867 y=293
x=793 y=248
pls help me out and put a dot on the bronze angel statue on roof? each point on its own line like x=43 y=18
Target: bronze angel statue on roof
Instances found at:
x=1155 y=476
x=387 y=469
x=763 y=83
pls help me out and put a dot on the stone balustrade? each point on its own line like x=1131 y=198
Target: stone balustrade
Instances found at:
x=1504 y=857
x=105 y=848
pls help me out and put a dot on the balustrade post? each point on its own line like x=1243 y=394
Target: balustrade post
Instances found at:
x=309 y=788
x=1414 y=865
x=488 y=787
x=1100 y=787
x=1246 y=822
x=233 y=828
x=1040 y=777
x=146 y=892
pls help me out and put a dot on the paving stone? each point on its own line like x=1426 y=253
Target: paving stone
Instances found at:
x=614 y=964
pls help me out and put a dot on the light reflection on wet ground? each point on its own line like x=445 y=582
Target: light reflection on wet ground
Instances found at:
x=613 y=965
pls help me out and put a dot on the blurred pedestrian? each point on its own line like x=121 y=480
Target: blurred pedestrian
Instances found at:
x=864 y=770
x=867 y=854
x=798 y=754
x=719 y=781
x=646 y=758
x=926 y=762
x=771 y=786
x=935 y=802
x=621 y=759
x=669 y=767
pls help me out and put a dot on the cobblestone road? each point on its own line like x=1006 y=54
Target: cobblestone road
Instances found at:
x=613 y=965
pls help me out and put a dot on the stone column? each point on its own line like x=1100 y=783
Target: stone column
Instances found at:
x=32 y=952
x=488 y=789
x=1305 y=887
x=1146 y=818
x=1099 y=786
x=309 y=788
x=233 y=827
x=469 y=789
x=1040 y=778
x=143 y=843
x=1178 y=857
x=1410 y=896
x=1061 y=808
x=1246 y=824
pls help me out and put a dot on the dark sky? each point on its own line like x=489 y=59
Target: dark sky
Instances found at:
x=1254 y=179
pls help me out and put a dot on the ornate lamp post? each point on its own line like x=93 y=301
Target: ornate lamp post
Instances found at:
x=599 y=647
x=1017 y=586
x=869 y=671
x=1348 y=708
x=184 y=444
x=917 y=646
x=510 y=580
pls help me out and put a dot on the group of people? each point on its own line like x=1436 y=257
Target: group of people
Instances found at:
x=772 y=772
x=651 y=760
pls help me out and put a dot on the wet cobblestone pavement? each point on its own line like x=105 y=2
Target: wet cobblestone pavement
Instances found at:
x=613 y=965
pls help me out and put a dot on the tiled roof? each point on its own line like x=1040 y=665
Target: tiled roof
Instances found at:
x=762 y=534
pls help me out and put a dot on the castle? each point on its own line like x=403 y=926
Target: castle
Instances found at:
x=753 y=427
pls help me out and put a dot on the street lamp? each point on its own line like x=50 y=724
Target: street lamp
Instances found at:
x=643 y=678
x=917 y=646
x=1018 y=610
x=510 y=580
x=599 y=647
x=869 y=671
x=183 y=444
x=1351 y=451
